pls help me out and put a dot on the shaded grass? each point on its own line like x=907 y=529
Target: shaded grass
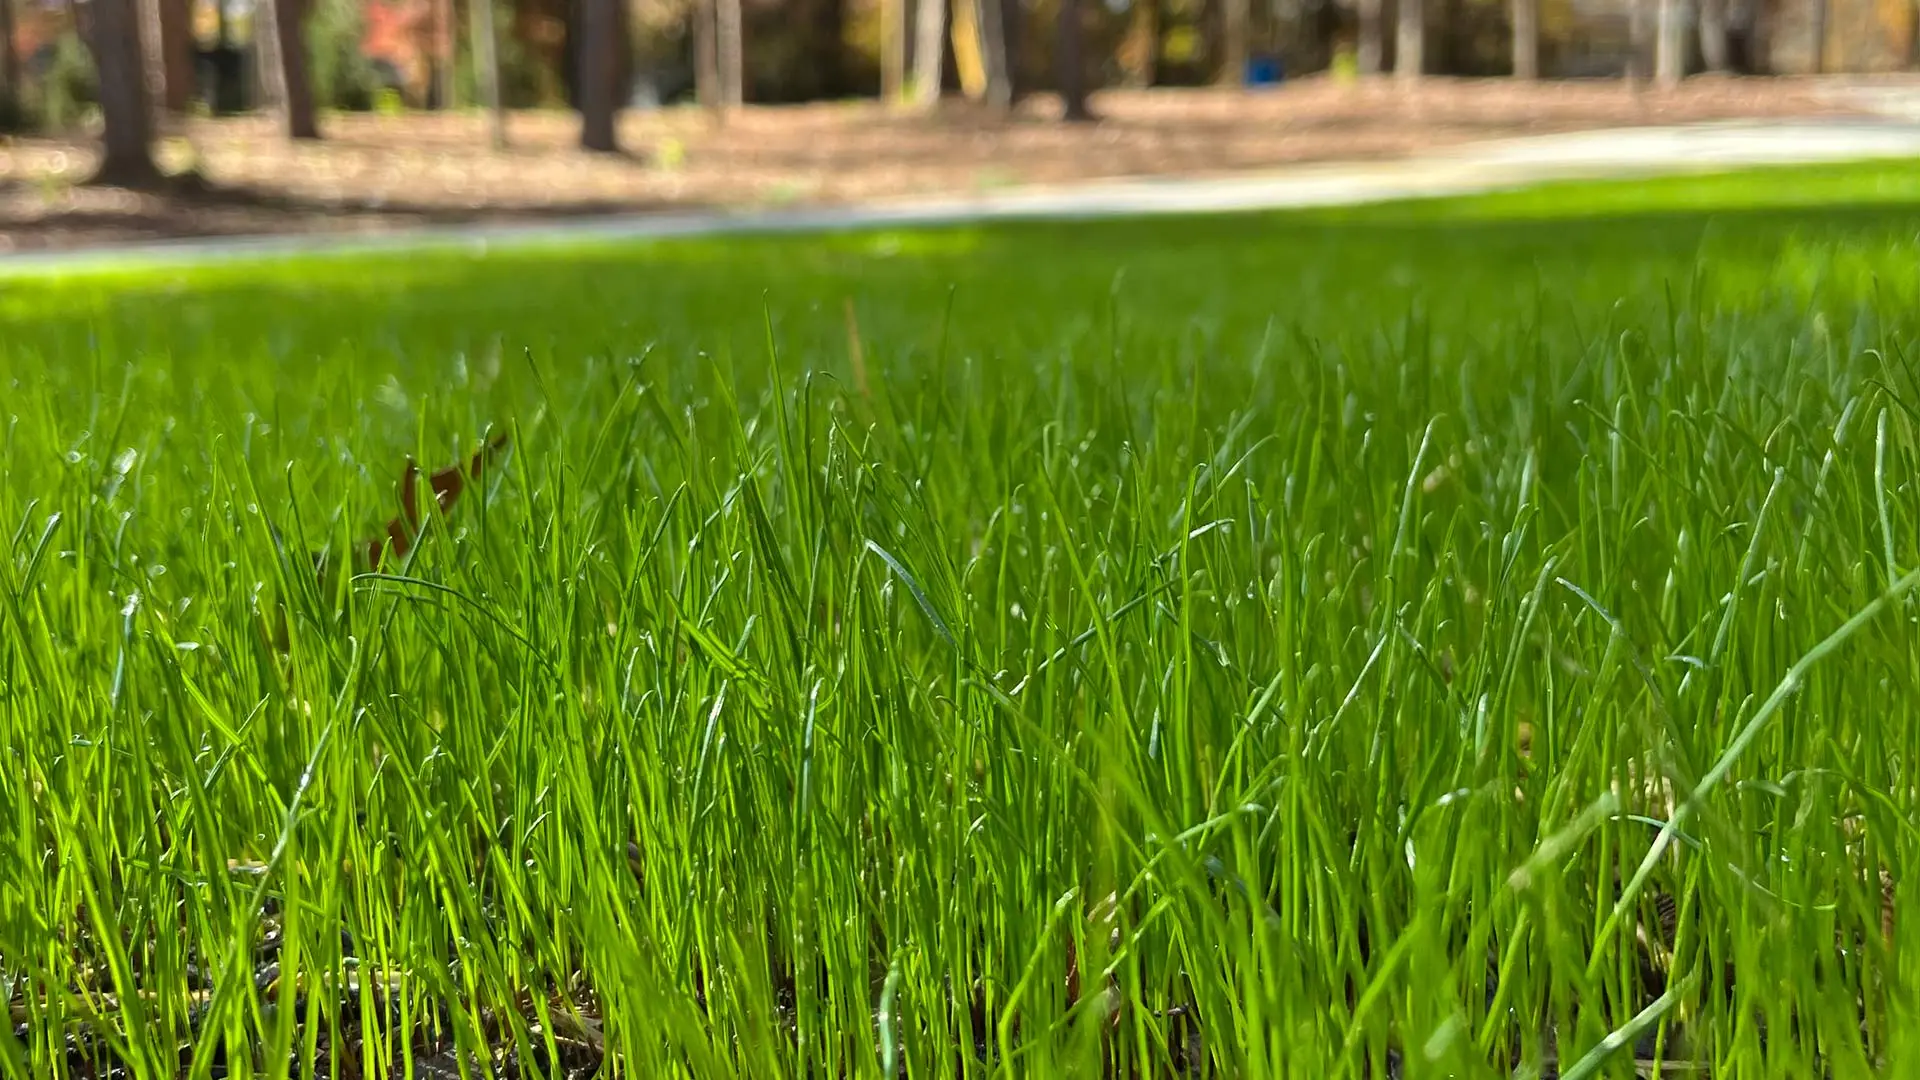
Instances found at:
x=1357 y=643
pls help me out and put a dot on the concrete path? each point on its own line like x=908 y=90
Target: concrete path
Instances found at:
x=1478 y=167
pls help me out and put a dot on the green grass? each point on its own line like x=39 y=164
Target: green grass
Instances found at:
x=1455 y=638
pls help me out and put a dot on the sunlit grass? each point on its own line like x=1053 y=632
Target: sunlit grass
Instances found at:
x=1459 y=639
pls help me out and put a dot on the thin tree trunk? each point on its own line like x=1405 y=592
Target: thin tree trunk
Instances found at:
x=127 y=151
x=268 y=73
x=1757 y=52
x=706 y=58
x=599 y=61
x=1070 y=71
x=176 y=49
x=1668 y=58
x=1713 y=35
x=443 y=52
x=486 y=63
x=1409 y=44
x=163 y=34
x=9 y=56
x=1912 y=59
x=929 y=34
x=733 y=53
x=1370 y=55
x=291 y=20
x=1233 y=67
x=993 y=42
x=1013 y=32
x=893 y=50
x=968 y=56
x=1638 y=45
x=1819 y=35
x=1526 y=39
x=283 y=65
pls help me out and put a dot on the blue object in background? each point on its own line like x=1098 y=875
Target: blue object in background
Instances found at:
x=1264 y=71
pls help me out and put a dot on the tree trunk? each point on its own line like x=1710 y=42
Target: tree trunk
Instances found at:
x=285 y=35
x=1526 y=39
x=1233 y=66
x=443 y=60
x=9 y=56
x=929 y=35
x=968 y=57
x=269 y=75
x=1013 y=30
x=1759 y=15
x=893 y=50
x=1069 y=70
x=167 y=34
x=1668 y=55
x=127 y=151
x=1912 y=60
x=733 y=54
x=993 y=42
x=599 y=60
x=1713 y=35
x=1819 y=35
x=706 y=57
x=1638 y=47
x=1370 y=54
x=1409 y=44
x=486 y=64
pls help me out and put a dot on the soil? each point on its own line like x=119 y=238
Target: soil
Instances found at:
x=379 y=173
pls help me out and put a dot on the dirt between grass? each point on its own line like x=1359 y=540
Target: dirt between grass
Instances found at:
x=380 y=173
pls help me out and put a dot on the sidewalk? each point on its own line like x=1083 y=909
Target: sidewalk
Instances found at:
x=1480 y=167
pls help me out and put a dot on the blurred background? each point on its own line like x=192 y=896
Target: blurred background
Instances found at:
x=140 y=119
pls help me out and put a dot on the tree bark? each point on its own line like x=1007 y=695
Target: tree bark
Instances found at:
x=486 y=64
x=929 y=37
x=1713 y=35
x=283 y=65
x=1759 y=23
x=969 y=58
x=1638 y=47
x=733 y=54
x=893 y=50
x=706 y=58
x=1819 y=35
x=443 y=60
x=269 y=75
x=1409 y=43
x=599 y=61
x=993 y=42
x=1370 y=54
x=1526 y=39
x=1912 y=59
x=1069 y=71
x=1668 y=56
x=127 y=143
x=9 y=56
x=1013 y=32
x=1233 y=66
x=166 y=34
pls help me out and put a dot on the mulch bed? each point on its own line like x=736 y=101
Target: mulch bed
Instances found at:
x=375 y=173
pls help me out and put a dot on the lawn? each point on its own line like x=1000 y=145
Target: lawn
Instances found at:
x=1467 y=638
